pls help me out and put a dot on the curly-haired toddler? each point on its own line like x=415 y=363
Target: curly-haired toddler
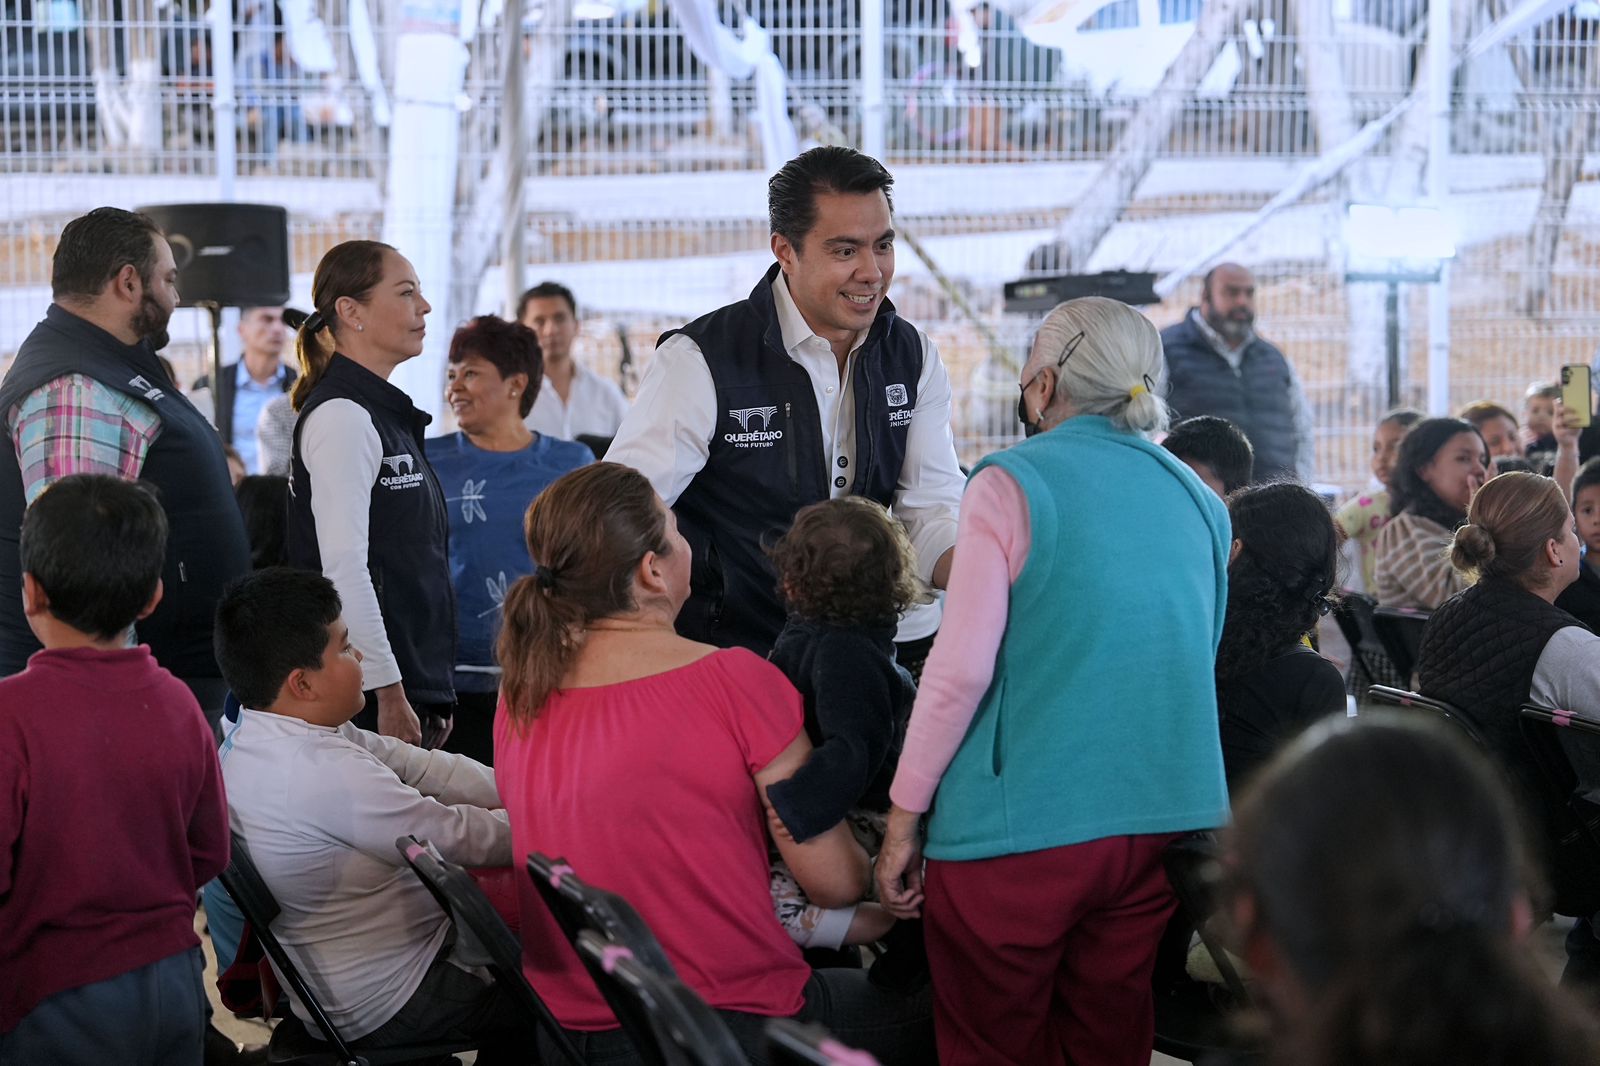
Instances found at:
x=846 y=571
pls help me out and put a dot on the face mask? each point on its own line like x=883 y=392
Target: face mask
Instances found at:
x=1029 y=429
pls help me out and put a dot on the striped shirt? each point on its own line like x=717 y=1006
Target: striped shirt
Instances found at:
x=75 y=425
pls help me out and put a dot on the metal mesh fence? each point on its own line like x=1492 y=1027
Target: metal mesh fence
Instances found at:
x=646 y=178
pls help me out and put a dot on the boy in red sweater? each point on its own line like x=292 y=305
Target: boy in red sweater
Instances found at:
x=111 y=806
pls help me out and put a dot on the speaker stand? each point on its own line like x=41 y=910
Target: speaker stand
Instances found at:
x=223 y=419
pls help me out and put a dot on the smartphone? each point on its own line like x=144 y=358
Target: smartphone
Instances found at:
x=1575 y=394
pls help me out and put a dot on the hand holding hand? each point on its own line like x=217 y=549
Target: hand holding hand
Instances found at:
x=899 y=866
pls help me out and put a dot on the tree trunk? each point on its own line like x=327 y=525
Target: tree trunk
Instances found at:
x=1564 y=136
x=1409 y=157
x=1146 y=133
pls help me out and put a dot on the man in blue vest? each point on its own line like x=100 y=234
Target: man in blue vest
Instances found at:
x=247 y=386
x=811 y=388
x=1218 y=365
x=87 y=395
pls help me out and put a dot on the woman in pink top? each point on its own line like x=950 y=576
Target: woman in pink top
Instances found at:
x=643 y=759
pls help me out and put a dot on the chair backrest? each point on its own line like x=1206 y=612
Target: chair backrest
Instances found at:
x=1369 y=663
x=1575 y=826
x=243 y=882
x=577 y=906
x=667 y=1021
x=483 y=932
x=789 y=1043
x=1194 y=867
x=1445 y=712
x=1399 y=630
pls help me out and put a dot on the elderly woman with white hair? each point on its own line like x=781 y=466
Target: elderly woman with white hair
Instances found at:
x=1067 y=720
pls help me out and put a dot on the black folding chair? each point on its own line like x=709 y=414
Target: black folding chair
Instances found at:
x=1399 y=630
x=666 y=1020
x=790 y=1043
x=579 y=908
x=1574 y=827
x=1193 y=1019
x=483 y=934
x=291 y=1041
x=1369 y=662
x=1384 y=696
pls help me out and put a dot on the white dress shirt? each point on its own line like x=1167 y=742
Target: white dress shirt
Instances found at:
x=320 y=809
x=667 y=434
x=593 y=407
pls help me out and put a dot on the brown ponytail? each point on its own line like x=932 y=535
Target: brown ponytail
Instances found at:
x=353 y=269
x=587 y=531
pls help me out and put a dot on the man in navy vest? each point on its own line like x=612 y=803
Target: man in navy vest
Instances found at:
x=87 y=395
x=811 y=388
x=247 y=386
x=1217 y=365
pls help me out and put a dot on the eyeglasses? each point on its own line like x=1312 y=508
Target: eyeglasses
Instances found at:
x=1022 y=398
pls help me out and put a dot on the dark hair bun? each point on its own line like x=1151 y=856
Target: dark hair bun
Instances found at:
x=1472 y=549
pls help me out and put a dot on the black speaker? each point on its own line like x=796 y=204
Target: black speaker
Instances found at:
x=231 y=255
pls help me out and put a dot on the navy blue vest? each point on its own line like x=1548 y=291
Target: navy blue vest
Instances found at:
x=767 y=458
x=408 y=531
x=1258 y=399
x=206 y=545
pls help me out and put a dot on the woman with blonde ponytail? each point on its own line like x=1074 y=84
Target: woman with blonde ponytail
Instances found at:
x=1502 y=643
x=364 y=506
x=643 y=759
x=1067 y=717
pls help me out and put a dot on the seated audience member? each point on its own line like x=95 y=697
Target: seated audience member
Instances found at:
x=320 y=804
x=573 y=401
x=1442 y=463
x=264 y=502
x=489 y=471
x=1581 y=599
x=1538 y=436
x=1215 y=449
x=1270 y=685
x=643 y=759
x=1503 y=642
x=1378 y=869
x=1498 y=428
x=846 y=571
x=1362 y=515
x=111 y=806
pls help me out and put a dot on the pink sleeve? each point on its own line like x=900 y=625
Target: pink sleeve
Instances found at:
x=767 y=713
x=991 y=548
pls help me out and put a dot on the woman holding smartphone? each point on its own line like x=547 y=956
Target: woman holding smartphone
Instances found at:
x=365 y=507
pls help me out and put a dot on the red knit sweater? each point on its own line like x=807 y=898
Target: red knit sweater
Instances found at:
x=111 y=817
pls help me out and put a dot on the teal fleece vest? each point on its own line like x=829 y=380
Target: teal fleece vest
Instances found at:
x=1101 y=719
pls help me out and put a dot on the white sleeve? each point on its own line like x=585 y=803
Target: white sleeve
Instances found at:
x=666 y=434
x=341 y=451
x=366 y=806
x=928 y=497
x=446 y=776
x=1567 y=678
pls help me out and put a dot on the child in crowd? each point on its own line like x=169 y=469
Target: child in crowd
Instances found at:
x=846 y=571
x=320 y=804
x=1283 y=566
x=1538 y=436
x=112 y=812
x=1214 y=448
x=1361 y=516
x=1581 y=599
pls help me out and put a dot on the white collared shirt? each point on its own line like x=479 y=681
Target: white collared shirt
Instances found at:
x=667 y=433
x=593 y=407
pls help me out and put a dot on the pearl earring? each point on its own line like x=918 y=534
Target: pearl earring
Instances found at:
x=360 y=328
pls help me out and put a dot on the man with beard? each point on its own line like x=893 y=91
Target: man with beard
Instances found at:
x=87 y=395
x=1217 y=365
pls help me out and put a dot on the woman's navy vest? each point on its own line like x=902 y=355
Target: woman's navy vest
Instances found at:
x=206 y=544
x=768 y=460
x=408 y=532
